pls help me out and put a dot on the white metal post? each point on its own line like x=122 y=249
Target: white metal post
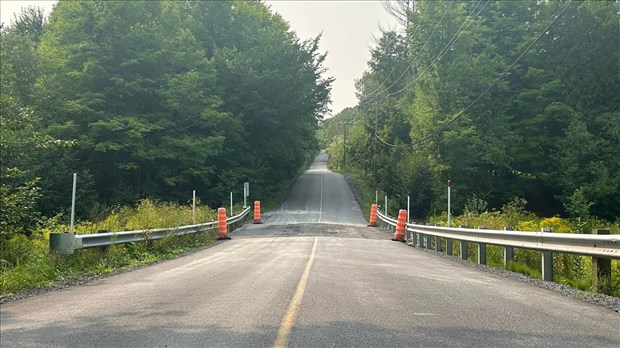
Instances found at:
x=194 y=207
x=408 y=208
x=386 y=210
x=449 y=213
x=73 y=203
x=231 y=204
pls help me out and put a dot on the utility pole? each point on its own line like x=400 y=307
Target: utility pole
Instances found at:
x=344 y=145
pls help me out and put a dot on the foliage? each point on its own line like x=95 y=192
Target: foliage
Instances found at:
x=26 y=262
x=547 y=131
x=569 y=269
x=157 y=99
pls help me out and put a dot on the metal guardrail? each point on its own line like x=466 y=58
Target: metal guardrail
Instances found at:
x=601 y=247
x=67 y=243
x=581 y=244
x=386 y=219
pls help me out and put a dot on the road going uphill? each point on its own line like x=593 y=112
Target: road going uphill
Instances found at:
x=319 y=196
x=313 y=275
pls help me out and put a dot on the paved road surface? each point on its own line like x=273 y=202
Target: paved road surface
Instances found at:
x=318 y=196
x=307 y=285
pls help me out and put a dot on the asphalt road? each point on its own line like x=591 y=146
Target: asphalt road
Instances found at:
x=308 y=284
x=318 y=196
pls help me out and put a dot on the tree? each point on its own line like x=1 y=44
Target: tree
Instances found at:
x=496 y=97
x=165 y=97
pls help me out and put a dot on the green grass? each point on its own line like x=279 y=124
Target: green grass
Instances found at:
x=27 y=263
x=362 y=188
x=569 y=269
x=525 y=269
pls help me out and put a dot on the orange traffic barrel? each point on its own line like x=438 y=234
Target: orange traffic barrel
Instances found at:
x=257 y=212
x=399 y=234
x=373 y=216
x=222 y=226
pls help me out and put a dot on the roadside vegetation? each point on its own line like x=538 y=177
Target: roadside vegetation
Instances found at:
x=506 y=99
x=26 y=261
x=569 y=269
x=548 y=130
x=145 y=101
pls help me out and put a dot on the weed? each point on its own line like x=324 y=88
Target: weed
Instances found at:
x=28 y=264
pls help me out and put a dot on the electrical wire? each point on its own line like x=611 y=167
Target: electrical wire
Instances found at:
x=439 y=56
x=462 y=112
x=417 y=55
x=445 y=50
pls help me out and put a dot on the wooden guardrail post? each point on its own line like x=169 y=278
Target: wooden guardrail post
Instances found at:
x=601 y=270
x=509 y=252
x=547 y=260
x=482 y=250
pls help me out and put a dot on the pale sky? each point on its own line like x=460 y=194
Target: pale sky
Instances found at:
x=348 y=28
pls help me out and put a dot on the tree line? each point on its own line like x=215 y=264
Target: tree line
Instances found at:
x=504 y=98
x=152 y=99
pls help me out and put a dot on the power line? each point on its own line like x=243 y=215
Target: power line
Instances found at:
x=439 y=56
x=371 y=94
x=443 y=51
x=423 y=47
x=462 y=112
x=417 y=55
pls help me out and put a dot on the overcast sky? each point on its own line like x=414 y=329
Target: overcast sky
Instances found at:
x=348 y=28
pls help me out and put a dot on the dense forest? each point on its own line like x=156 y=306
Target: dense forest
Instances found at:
x=152 y=99
x=504 y=98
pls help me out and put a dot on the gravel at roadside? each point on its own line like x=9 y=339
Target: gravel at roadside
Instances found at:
x=602 y=300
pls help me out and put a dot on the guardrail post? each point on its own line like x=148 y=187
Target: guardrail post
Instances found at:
x=547 y=260
x=449 y=246
x=601 y=270
x=437 y=242
x=105 y=247
x=509 y=252
x=482 y=250
x=463 y=245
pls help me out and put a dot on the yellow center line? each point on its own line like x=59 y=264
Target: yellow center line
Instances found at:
x=284 y=333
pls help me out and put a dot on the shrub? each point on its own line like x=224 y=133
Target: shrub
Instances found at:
x=26 y=262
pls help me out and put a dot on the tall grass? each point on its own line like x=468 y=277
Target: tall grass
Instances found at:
x=26 y=262
x=572 y=270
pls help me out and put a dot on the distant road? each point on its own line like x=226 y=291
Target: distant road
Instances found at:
x=308 y=284
x=319 y=196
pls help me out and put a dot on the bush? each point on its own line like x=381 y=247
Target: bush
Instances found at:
x=569 y=269
x=26 y=262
